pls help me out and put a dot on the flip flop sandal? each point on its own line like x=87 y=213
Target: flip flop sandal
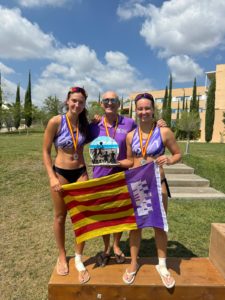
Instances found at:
x=165 y=277
x=128 y=277
x=83 y=272
x=61 y=269
x=102 y=259
x=120 y=258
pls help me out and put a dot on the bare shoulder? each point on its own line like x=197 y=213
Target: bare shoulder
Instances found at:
x=167 y=135
x=130 y=135
x=55 y=121
x=166 y=131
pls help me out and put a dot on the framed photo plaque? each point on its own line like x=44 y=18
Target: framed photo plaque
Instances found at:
x=104 y=151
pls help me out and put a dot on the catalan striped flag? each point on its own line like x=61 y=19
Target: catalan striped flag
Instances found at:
x=123 y=201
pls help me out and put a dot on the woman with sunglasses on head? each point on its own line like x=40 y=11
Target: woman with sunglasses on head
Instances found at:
x=117 y=127
x=68 y=134
x=145 y=144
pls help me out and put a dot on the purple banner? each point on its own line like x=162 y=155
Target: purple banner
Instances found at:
x=144 y=185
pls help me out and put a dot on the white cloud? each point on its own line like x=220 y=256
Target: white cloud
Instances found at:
x=131 y=9
x=20 y=39
x=5 y=70
x=66 y=65
x=81 y=58
x=80 y=66
x=36 y=3
x=181 y=26
x=185 y=27
x=183 y=68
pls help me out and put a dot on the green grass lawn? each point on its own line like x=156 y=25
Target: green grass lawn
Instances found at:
x=27 y=246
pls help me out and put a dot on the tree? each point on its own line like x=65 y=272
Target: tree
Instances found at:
x=121 y=104
x=28 y=104
x=1 y=102
x=210 y=111
x=193 y=103
x=164 y=106
x=131 y=109
x=17 y=109
x=53 y=106
x=7 y=116
x=168 y=119
x=189 y=123
x=183 y=101
x=94 y=109
x=178 y=111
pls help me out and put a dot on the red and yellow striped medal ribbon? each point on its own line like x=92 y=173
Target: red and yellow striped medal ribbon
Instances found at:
x=75 y=142
x=106 y=128
x=144 y=148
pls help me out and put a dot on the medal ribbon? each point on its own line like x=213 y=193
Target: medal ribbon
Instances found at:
x=144 y=149
x=75 y=142
x=106 y=128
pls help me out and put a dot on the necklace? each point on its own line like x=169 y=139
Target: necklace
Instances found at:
x=106 y=128
x=144 y=148
x=75 y=142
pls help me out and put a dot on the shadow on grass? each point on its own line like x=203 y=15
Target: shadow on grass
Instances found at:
x=148 y=249
x=176 y=253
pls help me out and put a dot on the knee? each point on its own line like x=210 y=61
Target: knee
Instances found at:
x=160 y=232
x=60 y=218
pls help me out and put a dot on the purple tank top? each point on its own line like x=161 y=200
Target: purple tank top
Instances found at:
x=63 y=138
x=155 y=145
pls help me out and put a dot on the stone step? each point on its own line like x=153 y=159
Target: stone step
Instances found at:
x=178 y=169
x=195 y=193
x=186 y=180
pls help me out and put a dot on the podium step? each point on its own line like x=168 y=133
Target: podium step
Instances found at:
x=195 y=193
x=196 y=279
x=178 y=169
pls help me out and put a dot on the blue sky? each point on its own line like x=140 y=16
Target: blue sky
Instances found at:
x=127 y=46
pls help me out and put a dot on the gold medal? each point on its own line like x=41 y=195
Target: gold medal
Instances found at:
x=75 y=142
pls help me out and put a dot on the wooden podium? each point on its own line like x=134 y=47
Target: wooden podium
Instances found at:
x=196 y=278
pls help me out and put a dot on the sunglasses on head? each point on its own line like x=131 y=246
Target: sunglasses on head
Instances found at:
x=144 y=95
x=77 y=89
x=112 y=100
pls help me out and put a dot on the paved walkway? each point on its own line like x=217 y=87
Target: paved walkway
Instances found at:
x=185 y=184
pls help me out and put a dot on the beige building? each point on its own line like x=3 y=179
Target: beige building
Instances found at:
x=178 y=94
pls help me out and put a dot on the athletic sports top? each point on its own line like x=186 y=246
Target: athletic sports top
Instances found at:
x=155 y=145
x=63 y=138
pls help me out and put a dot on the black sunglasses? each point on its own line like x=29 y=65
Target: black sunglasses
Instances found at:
x=112 y=100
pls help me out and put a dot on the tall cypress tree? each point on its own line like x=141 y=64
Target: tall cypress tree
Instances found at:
x=131 y=109
x=178 y=111
x=210 y=111
x=0 y=100
x=28 y=104
x=17 y=110
x=183 y=101
x=168 y=119
x=121 y=104
x=193 y=103
x=164 y=106
x=186 y=105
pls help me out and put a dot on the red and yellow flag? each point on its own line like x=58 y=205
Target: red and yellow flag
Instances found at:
x=100 y=206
